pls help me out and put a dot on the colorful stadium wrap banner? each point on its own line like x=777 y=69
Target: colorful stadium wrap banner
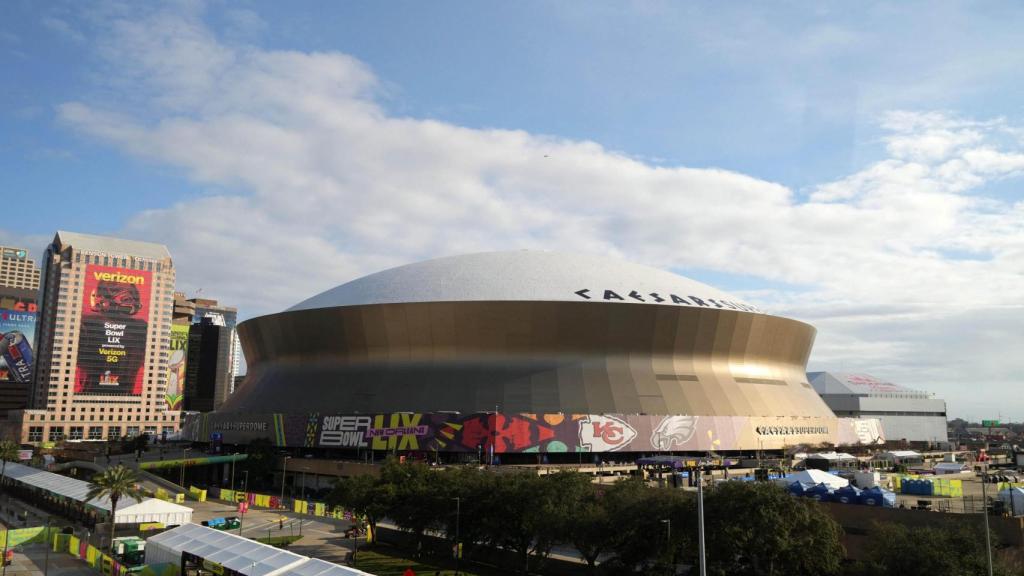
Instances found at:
x=115 y=321
x=530 y=433
x=176 y=366
x=17 y=335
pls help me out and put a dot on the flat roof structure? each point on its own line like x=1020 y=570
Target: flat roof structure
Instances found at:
x=129 y=511
x=235 y=554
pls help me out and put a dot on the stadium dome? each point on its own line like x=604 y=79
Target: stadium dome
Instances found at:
x=524 y=351
x=523 y=276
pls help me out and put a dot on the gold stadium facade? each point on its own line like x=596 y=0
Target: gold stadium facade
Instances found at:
x=527 y=352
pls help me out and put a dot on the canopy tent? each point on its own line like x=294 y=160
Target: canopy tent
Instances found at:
x=129 y=510
x=950 y=468
x=815 y=477
x=154 y=510
x=901 y=456
x=1013 y=498
x=235 y=553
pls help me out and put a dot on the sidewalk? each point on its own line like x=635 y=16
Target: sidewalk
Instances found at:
x=29 y=560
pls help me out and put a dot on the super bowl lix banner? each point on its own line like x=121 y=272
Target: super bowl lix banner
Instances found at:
x=112 y=340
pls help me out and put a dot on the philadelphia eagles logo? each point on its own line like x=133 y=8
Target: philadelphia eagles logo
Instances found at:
x=673 y=431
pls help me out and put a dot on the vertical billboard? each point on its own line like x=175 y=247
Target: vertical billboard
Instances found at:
x=176 y=366
x=17 y=335
x=115 y=322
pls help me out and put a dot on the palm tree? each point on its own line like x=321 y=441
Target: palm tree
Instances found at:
x=8 y=451
x=114 y=483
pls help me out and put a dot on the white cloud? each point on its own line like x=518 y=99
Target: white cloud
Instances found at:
x=324 y=185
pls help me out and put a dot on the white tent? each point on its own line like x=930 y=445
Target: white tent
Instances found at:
x=129 y=510
x=317 y=567
x=816 y=477
x=1014 y=500
x=950 y=468
x=229 y=550
x=153 y=510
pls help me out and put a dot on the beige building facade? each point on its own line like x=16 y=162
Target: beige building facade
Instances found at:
x=17 y=270
x=102 y=342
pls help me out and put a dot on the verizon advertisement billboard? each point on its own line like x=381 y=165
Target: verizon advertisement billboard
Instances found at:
x=115 y=322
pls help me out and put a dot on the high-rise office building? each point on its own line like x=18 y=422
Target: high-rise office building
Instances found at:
x=103 y=340
x=17 y=270
x=214 y=365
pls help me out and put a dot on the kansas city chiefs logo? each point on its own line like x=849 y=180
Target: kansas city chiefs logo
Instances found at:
x=605 y=433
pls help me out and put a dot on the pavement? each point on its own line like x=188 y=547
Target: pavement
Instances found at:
x=321 y=537
x=32 y=560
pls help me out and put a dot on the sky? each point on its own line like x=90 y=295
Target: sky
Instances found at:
x=854 y=166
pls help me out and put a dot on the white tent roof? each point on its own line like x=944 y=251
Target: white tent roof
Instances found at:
x=154 y=510
x=902 y=454
x=60 y=485
x=817 y=477
x=129 y=510
x=317 y=567
x=229 y=550
x=840 y=456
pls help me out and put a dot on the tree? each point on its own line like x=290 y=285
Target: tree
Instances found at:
x=365 y=496
x=261 y=462
x=757 y=528
x=114 y=483
x=642 y=516
x=420 y=497
x=8 y=451
x=926 y=551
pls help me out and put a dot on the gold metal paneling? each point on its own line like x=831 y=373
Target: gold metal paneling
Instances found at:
x=531 y=357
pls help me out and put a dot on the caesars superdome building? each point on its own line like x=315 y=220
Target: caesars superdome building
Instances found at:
x=527 y=352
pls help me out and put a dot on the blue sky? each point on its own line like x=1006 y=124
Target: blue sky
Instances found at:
x=856 y=167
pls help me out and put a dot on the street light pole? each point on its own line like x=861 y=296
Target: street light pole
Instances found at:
x=458 y=517
x=984 y=511
x=284 y=476
x=184 y=451
x=700 y=519
x=245 y=489
x=233 y=472
x=49 y=542
x=668 y=537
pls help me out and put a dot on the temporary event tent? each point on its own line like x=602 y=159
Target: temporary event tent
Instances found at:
x=902 y=456
x=951 y=468
x=236 y=554
x=1013 y=498
x=129 y=510
x=815 y=477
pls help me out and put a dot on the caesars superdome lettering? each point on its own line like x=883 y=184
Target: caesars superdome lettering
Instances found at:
x=659 y=298
x=118 y=277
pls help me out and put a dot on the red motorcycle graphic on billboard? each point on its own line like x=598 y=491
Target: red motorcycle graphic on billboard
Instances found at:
x=112 y=340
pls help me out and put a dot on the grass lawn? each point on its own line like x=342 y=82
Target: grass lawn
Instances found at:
x=279 y=541
x=385 y=560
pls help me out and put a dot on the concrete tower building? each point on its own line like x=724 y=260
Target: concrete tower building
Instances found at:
x=102 y=341
x=17 y=270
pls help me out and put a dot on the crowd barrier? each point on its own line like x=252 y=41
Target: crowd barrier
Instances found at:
x=105 y=564
x=20 y=536
x=1007 y=485
x=197 y=493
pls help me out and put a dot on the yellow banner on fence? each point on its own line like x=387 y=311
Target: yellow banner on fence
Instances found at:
x=197 y=493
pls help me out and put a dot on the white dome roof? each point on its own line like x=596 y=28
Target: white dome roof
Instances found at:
x=525 y=275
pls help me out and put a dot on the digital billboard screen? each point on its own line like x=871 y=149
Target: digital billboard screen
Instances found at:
x=17 y=336
x=176 y=366
x=115 y=322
